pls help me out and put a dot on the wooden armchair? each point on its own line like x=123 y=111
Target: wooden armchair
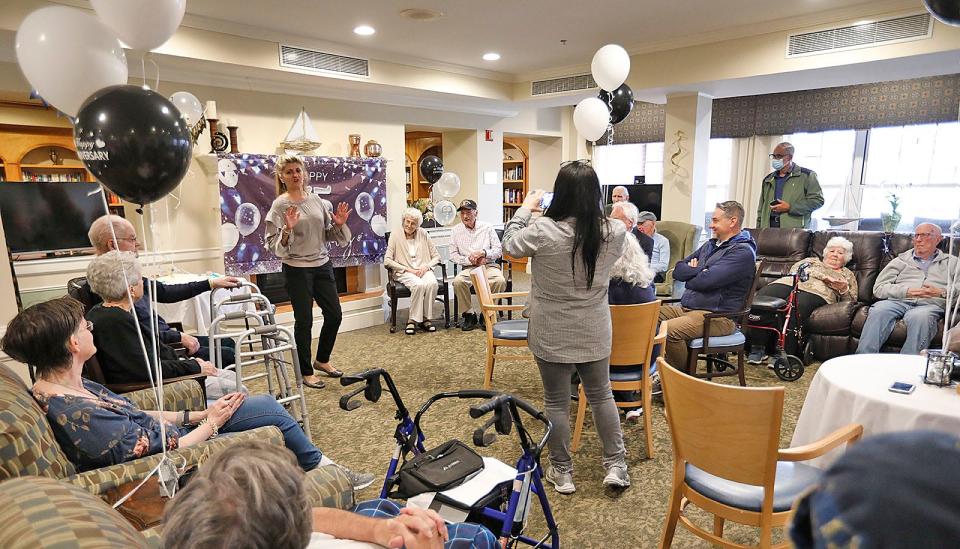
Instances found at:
x=726 y=459
x=503 y=333
x=506 y=266
x=634 y=335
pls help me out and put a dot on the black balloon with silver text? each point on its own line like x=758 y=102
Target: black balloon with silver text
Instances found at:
x=619 y=103
x=431 y=168
x=134 y=141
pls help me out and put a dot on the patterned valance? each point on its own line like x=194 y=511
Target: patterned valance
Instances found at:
x=898 y=103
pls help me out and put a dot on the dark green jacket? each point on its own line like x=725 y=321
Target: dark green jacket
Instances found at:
x=801 y=191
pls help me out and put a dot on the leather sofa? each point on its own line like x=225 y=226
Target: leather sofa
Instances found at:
x=834 y=330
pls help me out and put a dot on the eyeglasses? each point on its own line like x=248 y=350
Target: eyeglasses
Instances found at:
x=584 y=161
x=778 y=156
x=923 y=235
x=129 y=238
x=88 y=325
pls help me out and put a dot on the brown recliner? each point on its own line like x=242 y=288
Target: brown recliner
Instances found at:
x=834 y=330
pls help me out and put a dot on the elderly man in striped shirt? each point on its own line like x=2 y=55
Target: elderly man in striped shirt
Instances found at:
x=475 y=244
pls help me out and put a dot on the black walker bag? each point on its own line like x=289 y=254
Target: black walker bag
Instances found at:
x=447 y=466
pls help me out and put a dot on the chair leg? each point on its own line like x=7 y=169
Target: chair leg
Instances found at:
x=743 y=380
x=673 y=515
x=648 y=415
x=393 y=313
x=509 y=313
x=488 y=372
x=581 y=415
x=692 y=357
x=718 y=526
x=446 y=306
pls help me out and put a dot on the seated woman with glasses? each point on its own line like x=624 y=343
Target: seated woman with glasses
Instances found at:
x=410 y=259
x=96 y=427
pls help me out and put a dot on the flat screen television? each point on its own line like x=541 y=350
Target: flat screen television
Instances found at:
x=647 y=198
x=48 y=216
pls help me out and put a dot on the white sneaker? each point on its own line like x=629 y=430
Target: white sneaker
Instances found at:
x=562 y=482
x=633 y=416
x=617 y=477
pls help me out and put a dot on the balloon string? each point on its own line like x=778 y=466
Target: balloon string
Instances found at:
x=143 y=70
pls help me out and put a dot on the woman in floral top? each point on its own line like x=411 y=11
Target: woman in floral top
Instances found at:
x=96 y=427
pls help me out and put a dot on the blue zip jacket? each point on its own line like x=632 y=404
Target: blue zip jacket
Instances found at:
x=721 y=280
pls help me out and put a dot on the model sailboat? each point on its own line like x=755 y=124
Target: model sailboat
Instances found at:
x=843 y=204
x=301 y=138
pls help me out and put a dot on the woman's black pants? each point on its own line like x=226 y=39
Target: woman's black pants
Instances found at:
x=306 y=285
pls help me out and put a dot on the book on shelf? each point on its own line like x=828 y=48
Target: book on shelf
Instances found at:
x=512 y=196
x=51 y=177
x=513 y=174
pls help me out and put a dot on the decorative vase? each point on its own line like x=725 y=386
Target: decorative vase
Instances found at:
x=355 y=145
x=372 y=149
x=890 y=221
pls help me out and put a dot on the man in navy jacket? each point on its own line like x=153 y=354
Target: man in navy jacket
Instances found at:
x=718 y=276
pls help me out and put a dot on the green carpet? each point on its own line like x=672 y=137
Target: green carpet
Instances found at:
x=449 y=360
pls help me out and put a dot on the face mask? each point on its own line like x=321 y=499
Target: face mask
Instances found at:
x=777 y=163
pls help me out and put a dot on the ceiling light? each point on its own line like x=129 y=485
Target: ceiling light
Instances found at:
x=491 y=56
x=421 y=14
x=364 y=30
x=863 y=22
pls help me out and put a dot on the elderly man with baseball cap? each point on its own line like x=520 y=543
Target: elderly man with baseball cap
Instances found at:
x=475 y=244
x=660 y=258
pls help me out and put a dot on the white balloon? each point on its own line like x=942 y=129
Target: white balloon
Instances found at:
x=448 y=185
x=227 y=172
x=141 y=24
x=247 y=218
x=189 y=106
x=229 y=236
x=67 y=55
x=379 y=224
x=444 y=212
x=364 y=206
x=610 y=66
x=591 y=118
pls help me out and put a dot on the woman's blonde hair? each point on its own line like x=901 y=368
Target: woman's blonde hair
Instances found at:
x=633 y=267
x=281 y=163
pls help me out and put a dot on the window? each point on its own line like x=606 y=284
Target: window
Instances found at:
x=831 y=155
x=917 y=163
x=720 y=173
x=618 y=164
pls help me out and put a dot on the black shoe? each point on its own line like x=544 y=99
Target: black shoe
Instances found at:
x=481 y=322
x=469 y=322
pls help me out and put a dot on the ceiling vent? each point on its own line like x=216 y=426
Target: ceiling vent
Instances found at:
x=864 y=35
x=560 y=85
x=311 y=60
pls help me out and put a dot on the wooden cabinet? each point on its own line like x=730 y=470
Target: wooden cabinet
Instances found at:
x=418 y=146
x=34 y=153
x=516 y=155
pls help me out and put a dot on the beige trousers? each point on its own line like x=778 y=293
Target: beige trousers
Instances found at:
x=462 y=284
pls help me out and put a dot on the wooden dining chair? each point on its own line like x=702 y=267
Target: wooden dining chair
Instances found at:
x=726 y=459
x=500 y=333
x=634 y=335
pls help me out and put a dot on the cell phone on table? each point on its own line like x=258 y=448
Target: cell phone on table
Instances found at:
x=545 y=200
x=902 y=387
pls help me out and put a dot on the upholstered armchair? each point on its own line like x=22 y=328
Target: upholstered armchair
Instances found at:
x=683 y=241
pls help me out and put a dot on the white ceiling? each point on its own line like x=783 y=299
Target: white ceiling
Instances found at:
x=526 y=33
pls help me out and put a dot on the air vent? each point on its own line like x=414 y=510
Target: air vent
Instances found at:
x=560 y=85
x=864 y=35
x=319 y=61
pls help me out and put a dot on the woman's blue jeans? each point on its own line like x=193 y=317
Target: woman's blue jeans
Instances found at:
x=263 y=410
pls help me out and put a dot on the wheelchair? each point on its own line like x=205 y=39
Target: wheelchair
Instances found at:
x=504 y=509
x=787 y=367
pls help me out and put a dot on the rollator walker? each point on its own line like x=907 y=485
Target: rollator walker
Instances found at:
x=787 y=367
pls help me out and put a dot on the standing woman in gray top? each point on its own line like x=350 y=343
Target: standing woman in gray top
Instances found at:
x=299 y=224
x=574 y=247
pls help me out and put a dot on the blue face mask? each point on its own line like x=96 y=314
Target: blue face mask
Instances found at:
x=777 y=163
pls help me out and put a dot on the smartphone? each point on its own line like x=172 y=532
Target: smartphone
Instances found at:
x=902 y=387
x=545 y=200
x=775 y=202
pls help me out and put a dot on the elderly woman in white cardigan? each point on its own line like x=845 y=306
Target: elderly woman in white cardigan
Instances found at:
x=410 y=259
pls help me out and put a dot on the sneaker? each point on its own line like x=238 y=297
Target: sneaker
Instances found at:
x=469 y=322
x=562 y=482
x=656 y=389
x=617 y=477
x=756 y=356
x=633 y=416
x=358 y=480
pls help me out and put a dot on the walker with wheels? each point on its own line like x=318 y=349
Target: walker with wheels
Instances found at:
x=504 y=509
x=787 y=367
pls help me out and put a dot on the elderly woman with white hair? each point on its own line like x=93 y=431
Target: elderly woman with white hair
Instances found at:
x=119 y=353
x=830 y=282
x=410 y=259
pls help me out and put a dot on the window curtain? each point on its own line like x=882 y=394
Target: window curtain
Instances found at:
x=750 y=165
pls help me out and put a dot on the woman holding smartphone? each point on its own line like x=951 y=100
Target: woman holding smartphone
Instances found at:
x=299 y=225
x=574 y=247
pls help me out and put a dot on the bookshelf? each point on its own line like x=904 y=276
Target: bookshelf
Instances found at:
x=418 y=145
x=515 y=174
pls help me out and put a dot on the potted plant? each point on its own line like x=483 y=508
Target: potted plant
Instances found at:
x=426 y=208
x=891 y=220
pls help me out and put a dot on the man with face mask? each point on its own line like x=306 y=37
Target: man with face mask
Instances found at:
x=789 y=194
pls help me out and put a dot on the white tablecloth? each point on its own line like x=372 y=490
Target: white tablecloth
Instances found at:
x=193 y=313
x=855 y=389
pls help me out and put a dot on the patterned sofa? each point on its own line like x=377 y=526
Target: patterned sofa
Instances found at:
x=834 y=330
x=28 y=446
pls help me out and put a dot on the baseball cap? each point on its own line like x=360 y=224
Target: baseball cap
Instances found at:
x=646 y=216
x=467 y=205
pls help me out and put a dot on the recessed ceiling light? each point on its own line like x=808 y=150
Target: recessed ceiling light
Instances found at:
x=421 y=14
x=364 y=30
x=491 y=56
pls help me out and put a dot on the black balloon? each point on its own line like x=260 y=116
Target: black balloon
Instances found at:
x=134 y=142
x=946 y=11
x=619 y=104
x=431 y=168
